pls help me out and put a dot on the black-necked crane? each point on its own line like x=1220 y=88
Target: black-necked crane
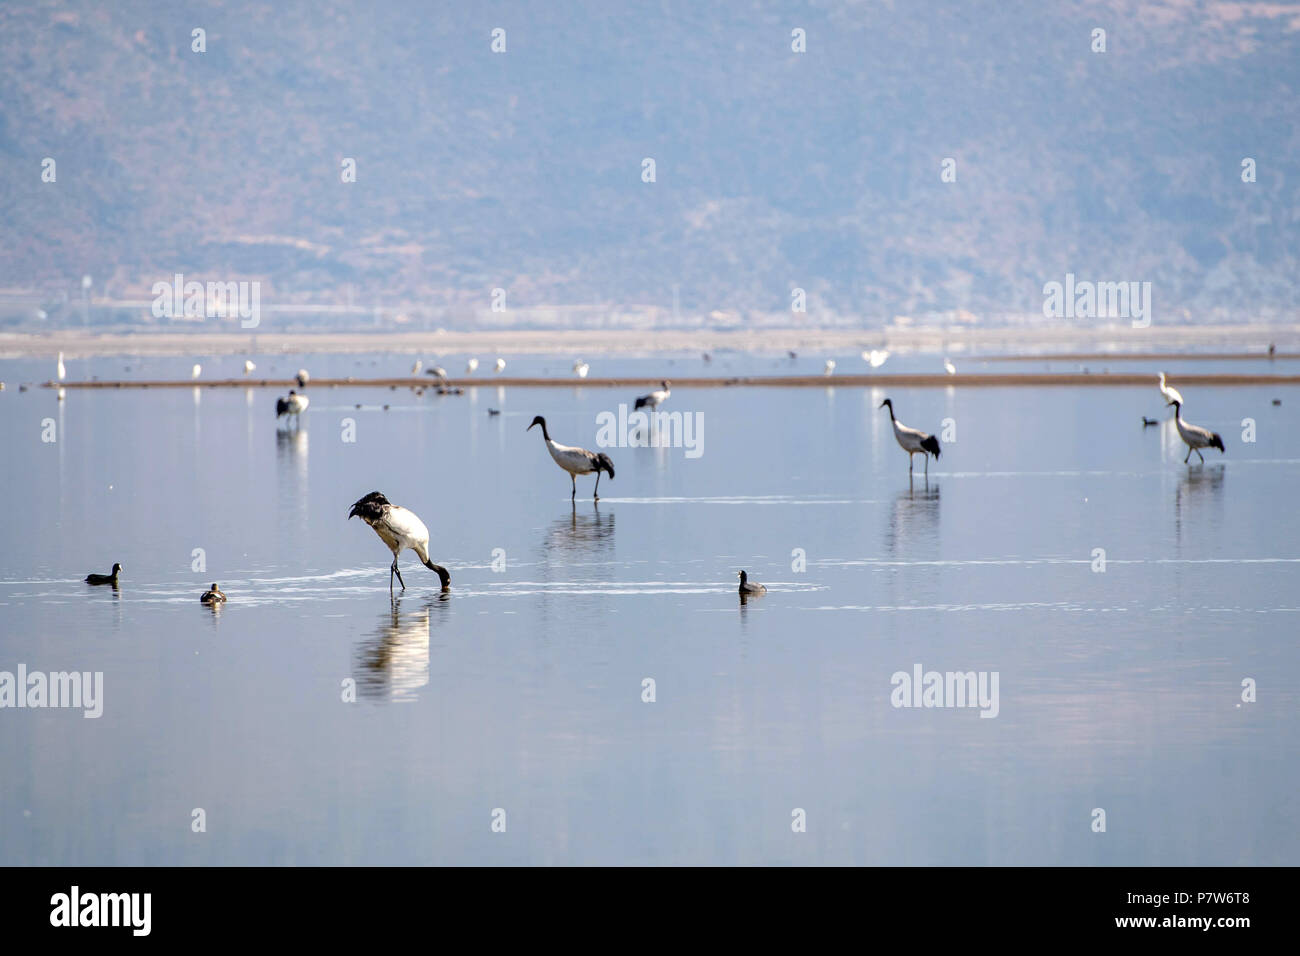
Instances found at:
x=1195 y=436
x=655 y=398
x=400 y=529
x=302 y=377
x=294 y=405
x=500 y=366
x=1168 y=392
x=749 y=588
x=912 y=440
x=213 y=596
x=438 y=372
x=110 y=578
x=576 y=461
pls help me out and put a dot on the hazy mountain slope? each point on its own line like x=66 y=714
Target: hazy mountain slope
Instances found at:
x=774 y=169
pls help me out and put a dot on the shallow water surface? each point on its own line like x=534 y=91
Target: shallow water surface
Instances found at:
x=522 y=688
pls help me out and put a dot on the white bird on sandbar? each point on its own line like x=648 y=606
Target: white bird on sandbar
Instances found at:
x=581 y=368
x=196 y=371
x=248 y=366
x=1195 y=436
x=303 y=378
x=912 y=440
x=60 y=371
x=949 y=367
x=500 y=366
x=876 y=357
x=471 y=366
x=400 y=529
x=830 y=367
x=576 y=461
x=415 y=369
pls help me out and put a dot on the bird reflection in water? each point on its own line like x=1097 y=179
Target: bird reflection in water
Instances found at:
x=291 y=451
x=393 y=663
x=914 y=518
x=1199 y=485
x=585 y=532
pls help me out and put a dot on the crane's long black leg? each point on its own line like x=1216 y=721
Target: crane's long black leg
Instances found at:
x=574 y=482
x=910 y=461
x=927 y=466
x=595 y=495
x=390 y=580
x=1200 y=456
x=399 y=576
x=1189 y=454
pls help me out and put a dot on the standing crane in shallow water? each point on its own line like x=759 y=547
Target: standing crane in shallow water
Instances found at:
x=576 y=461
x=400 y=529
x=912 y=440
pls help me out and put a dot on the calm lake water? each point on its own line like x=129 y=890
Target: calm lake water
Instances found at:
x=522 y=689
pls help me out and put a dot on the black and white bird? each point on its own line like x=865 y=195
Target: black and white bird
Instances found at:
x=581 y=368
x=294 y=405
x=1195 y=436
x=400 y=529
x=1168 y=392
x=105 y=578
x=214 y=596
x=576 y=461
x=912 y=440
x=249 y=365
x=655 y=398
x=500 y=366
x=748 y=587
x=303 y=378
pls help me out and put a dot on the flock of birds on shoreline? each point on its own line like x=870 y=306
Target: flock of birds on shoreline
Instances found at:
x=401 y=529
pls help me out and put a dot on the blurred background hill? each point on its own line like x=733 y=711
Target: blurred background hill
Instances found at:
x=523 y=170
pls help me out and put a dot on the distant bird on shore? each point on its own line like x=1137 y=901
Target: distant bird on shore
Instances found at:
x=581 y=368
x=576 y=461
x=876 y=357
x=303 y=378
x=707 y=357
x=1195 y=436
x=792 y=355
x=59 y=369
x=1168 y=392
x=500 y=366
x=912 y=440
x=400 y=529
x=749 y=588
x=415 y=369
x=948 y=366
x=196 y=371
x=438 y=371
x=294 y=405
x=214 y=596
x=655 y=398
x=471 y=366
x=110 y=578
x=830 y=367
x=1272 y=349
x=1148 y=422
x=494 y=411
x=248 y=366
